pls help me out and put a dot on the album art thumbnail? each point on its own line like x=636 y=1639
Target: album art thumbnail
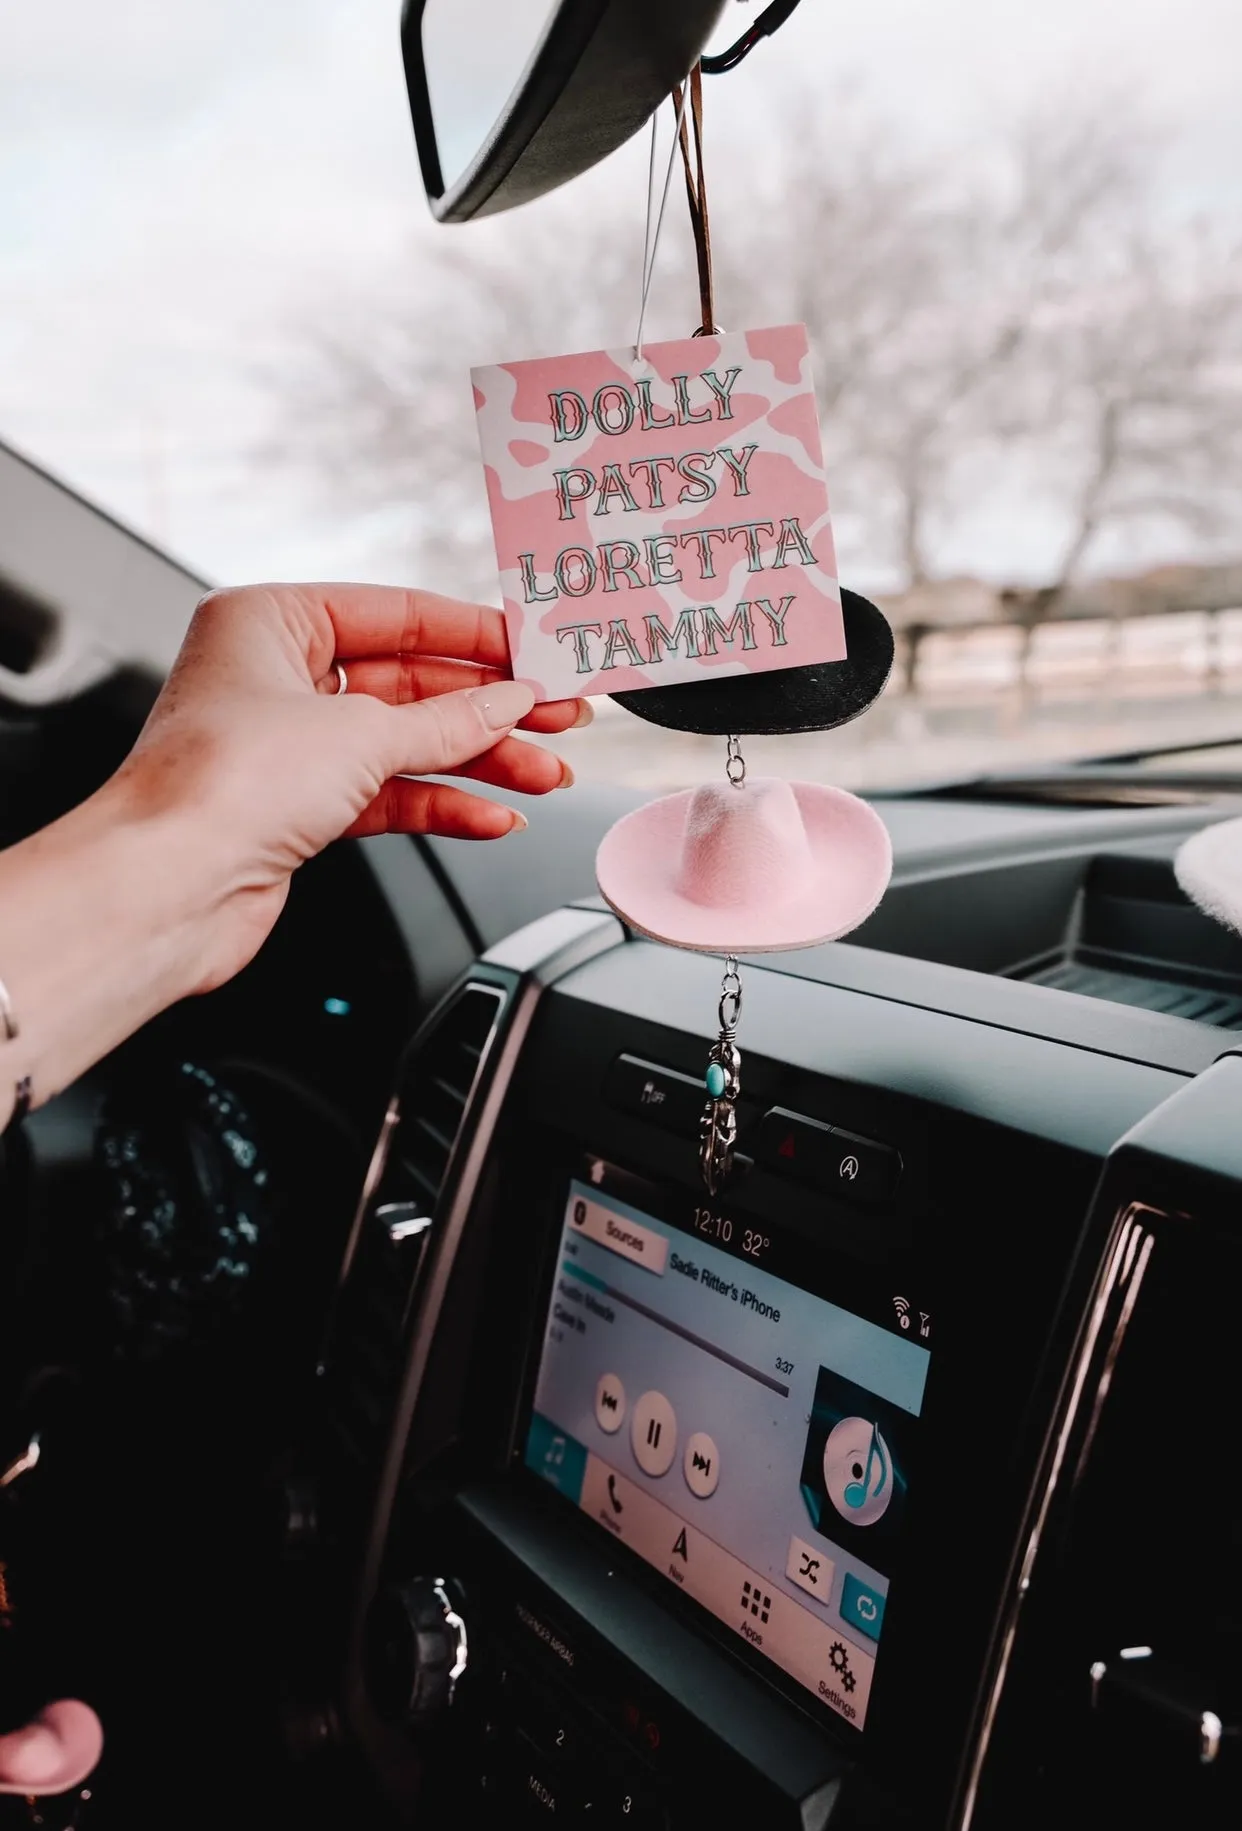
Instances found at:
x=856 y=1470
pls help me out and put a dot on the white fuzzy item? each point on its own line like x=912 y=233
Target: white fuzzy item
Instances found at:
x=1209 y=869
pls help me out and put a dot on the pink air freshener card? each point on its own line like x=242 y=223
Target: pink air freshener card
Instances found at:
x=663 y=518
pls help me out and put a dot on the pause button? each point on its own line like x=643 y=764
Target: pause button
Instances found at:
x=653 y=1434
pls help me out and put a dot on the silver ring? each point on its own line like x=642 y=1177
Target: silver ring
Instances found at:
x=342 y=684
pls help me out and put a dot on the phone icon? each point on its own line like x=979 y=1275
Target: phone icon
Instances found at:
x=617 y=1506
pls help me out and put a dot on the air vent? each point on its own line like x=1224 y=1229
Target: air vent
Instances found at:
x=1222 y=1009
x=365 y=1354
x=434 y=1088
x=1136 y=940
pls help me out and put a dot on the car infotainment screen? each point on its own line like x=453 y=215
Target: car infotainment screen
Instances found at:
x=751 y=1441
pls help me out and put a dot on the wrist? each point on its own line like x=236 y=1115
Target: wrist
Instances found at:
x=158 y=884
x=103 y=917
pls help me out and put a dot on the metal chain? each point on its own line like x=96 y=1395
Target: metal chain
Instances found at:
x=730 y=1007
x=735 y=763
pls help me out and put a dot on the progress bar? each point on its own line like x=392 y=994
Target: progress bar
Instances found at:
x=674 y=1328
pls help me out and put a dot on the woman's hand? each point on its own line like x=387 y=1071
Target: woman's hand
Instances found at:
x=252 y=740
x=167 y=881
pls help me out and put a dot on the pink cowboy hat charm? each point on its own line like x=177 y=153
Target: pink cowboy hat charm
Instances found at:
x=761 y=868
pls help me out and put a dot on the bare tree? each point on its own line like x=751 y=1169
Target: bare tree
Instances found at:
x=1028 y=311
x=943 y=384
x=378 y=396
x=1142 y=416
x=839 y=229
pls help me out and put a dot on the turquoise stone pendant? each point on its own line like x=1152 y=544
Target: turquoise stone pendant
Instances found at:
x=718 y=1128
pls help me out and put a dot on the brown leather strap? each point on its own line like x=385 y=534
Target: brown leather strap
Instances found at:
x=696 y=197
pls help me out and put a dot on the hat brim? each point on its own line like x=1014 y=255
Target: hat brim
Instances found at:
x=637 y=864
x=782 y=700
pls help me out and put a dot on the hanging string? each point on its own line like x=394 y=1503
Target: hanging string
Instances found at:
x=696 y=197
x=651 y=241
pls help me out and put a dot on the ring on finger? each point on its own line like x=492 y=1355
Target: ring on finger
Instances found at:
x=342 y=684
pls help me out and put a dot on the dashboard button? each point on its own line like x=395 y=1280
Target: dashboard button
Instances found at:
x=859 y=1168
x=623 y=1806
x=862 y=1606
x=807 y=1566
x=609 y=1403
x=841 y=1163
x=548 y=1726
x=541 y=1788
x=660 y=1095
x=701 y=1465
x=653 y=1434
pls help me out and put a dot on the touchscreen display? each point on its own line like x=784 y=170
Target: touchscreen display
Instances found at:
x=750 y=1440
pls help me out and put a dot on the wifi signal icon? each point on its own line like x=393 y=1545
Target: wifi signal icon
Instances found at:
x=902 y=1307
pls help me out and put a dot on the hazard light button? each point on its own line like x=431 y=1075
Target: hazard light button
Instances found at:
x=825 y=1157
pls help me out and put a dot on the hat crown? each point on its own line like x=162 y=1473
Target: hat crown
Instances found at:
x=740 y=841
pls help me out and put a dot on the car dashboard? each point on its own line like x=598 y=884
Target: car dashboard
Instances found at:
x=887 y=1488
x=847 y=1497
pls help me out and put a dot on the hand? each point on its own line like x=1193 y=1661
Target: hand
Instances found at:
x=250 y=743
x=168 y=879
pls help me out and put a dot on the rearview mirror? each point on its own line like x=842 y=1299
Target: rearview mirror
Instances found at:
x=511 y=98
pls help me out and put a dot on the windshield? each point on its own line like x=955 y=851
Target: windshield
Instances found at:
x=1013 y=233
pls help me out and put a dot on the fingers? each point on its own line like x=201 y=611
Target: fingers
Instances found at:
x=464 y=734
x=556 y=715
x=437 y=735
x=528 y=768
x=389 y=620
x=398 y=645
x=403 y=806
x=406 y=679
x=319 y=622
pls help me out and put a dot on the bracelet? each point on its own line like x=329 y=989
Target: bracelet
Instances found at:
x=24 y=1091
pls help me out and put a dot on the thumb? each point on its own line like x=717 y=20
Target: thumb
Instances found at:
x=437 y=734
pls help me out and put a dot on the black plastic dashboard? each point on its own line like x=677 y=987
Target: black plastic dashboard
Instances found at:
x=1049 y=1169
x=1028 y=1056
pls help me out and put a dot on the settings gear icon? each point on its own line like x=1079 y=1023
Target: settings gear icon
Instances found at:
x=839 y=1659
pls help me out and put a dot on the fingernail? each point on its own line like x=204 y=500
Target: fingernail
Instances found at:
x=567 y=775
x=520 y=822
x=584 y=717
x=503 y=702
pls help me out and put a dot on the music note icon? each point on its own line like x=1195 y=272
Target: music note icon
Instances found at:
x=858 y=1471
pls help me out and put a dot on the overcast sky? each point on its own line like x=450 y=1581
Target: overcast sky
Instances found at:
x=178 y=181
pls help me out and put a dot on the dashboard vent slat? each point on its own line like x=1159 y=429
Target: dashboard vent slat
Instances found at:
x=366 y=1352
x=427 y=1180
x=1135 y=939
x=1199 y=1005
